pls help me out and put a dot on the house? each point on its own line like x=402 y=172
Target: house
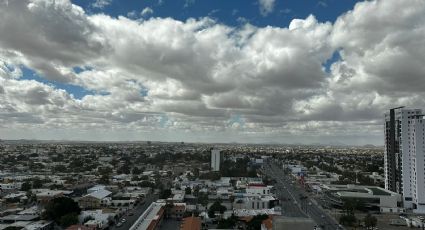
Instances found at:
x=98 y=218
x=40 y=225
x=95 y=199
x=177 y=211
x=96 y=188
x=44 y=196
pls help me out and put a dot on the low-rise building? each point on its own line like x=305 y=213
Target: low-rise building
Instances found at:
x=95 y=199
x=151 y=218
x=191 y=223
x=372 y=197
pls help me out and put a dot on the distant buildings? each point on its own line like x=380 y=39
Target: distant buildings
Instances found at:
x=404 y=161
x=215 y=160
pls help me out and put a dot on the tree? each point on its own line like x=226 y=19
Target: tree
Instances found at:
x=228 y=223
x=59 y=207
x=203 y=199
x=144 y=177
x=123 y=170
x=68 y=219
x=216 y=207
x=26 y=186
x=188 y=190
x=37 y=183
x=348 y=220
x=196 y=190
x=165 y=194
x=370 y=221
x=136 y=171
x=146 y=184
x=196 y=172
x=104 y=179
x=256 y=222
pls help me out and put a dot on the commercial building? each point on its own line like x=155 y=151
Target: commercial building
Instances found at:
x=151 y=218
x=95 y=199
x=215 y=160
x=372 y=197
x=258 y=189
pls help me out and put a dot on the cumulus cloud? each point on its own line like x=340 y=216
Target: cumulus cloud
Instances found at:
x=101 y=3
x=194 y=77
x=146 y=11
x=266 y=6
x=62 y=37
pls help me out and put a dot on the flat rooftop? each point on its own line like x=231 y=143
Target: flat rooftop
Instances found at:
x=153 y=213
x=14 y=218
x=293 y=223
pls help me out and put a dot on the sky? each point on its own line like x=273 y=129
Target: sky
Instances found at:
x=248 y=71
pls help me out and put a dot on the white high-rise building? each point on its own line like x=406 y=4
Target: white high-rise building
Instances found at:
x=215 y=160
x=416 y=145
x=403 y=158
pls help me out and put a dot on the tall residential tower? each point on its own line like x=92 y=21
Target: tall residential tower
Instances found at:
x=215 y=160
x=402 y=152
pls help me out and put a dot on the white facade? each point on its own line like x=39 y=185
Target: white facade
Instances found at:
x=215 y=160
x=397 y=158
x=100 y=219
x=254 y=202
x=416 y=145
x=258 y=190
x=404 y=161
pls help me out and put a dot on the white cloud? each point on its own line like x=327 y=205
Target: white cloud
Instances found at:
x=132 y=14
x=198 y=74
x=101 y=3
x=146 y=11
x=187 y=3
x=266 y=6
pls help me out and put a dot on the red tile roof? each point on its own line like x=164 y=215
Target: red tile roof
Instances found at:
x=191 y=223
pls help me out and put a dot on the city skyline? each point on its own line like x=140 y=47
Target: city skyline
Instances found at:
x=259 y=71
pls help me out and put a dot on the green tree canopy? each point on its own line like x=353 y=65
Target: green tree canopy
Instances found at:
x=228 y=223
x=68 y=219
x=166 y=193
x=26 y=186
x=370 y=221
x=256 y=222
x=216 y=207
x=61 y=206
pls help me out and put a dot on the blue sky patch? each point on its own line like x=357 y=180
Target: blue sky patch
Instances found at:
x=77 y=91
x=227 y=12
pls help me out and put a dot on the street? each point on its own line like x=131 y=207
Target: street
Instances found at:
x=137 y=211
x=294 y=200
